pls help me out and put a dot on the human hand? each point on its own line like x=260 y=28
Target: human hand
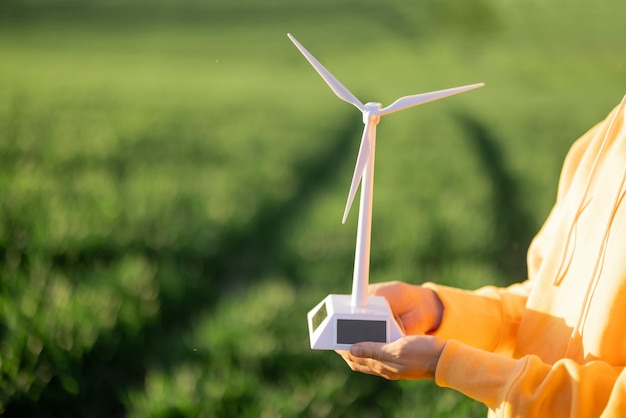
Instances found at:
x=410 y=357
x=417 y=309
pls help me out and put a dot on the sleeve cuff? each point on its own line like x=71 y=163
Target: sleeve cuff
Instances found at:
x=481 y=375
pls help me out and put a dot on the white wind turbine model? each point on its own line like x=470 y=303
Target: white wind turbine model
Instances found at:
x=342 y=320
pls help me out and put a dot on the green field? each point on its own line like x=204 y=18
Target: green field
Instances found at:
x=173 y=175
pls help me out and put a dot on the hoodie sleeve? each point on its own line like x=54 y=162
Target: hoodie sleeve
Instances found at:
x=487 y=318
x=529 y=387
x=481 y=326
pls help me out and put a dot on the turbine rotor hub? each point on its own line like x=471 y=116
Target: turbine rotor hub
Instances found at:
x=371 y=112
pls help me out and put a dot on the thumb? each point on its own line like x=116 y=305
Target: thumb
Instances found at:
x=367 y=350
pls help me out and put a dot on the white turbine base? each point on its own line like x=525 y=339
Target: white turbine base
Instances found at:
x=334 y=324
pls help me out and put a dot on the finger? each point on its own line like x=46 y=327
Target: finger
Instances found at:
x=362 y=368
x=416 y=320
x=370 y=350
x=355 y=363
x=379 y=354
x=372 y=367
x=398 y=294
x=375 y=360
x=386 y=289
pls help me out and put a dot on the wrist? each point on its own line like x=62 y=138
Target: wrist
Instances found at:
x=439 y=345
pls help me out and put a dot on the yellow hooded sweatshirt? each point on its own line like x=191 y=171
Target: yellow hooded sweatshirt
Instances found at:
x=554 y=345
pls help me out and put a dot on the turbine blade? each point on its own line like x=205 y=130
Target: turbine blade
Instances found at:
x=341 y=92
x=359 y=169
x=418 y=99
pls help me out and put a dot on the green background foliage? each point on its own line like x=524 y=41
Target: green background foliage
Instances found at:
x=172 y=177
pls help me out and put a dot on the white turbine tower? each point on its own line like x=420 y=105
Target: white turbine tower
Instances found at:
x=345 y=325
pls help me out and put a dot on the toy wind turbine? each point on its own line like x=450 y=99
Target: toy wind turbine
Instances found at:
x=342 y=320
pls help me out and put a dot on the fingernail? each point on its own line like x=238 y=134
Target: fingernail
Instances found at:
x=355 y=350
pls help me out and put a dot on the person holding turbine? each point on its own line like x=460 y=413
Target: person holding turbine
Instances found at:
x=552 y=345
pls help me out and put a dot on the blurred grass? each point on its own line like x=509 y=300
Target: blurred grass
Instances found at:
x=173 y=175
